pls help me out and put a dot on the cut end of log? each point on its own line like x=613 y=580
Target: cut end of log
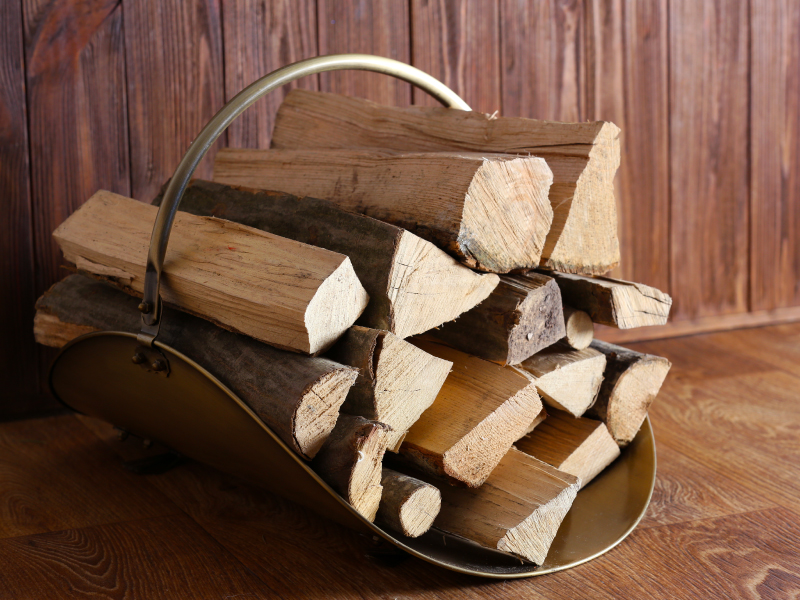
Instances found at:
x=336 y=305
x=632 y=396
x=419 y=511
x=365 y=487
x=49 y=330
x=507 y=215
x=638 y=305
x=595 y=454
x=579 y=329
x=318 y=410
x=408 y=505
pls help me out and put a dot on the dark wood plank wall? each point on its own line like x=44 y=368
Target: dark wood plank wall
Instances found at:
x=109 y=94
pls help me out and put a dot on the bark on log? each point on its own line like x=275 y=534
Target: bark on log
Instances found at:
x=413 y=285
x=297 y=396
x=408 y=505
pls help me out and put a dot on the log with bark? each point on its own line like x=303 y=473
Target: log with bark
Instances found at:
x=631 y=382
x=408 y=505
x=350 y=462
x=584 y=158
x=579 y=328
x=397 y=380
x=489 y=211
x=614 y=302
x=481 y=410
x=567 y=379
x=520 y=317
x=576 y=445
x=297 y=396
x=413 y=285
x=284 y=293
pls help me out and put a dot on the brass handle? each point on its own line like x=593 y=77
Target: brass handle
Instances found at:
x=151 y=302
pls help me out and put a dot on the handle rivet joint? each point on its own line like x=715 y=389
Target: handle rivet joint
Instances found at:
x=158 y=365
x=138 y=358
x=144 y=307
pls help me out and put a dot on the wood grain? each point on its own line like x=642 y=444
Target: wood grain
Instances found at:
x=175 y=85
x=259 y=37
x=708 y=153
x=380 y=27
x=627 y=79
x=458 y=42
x=775 y=152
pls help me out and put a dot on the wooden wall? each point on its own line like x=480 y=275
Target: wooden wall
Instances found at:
x=109 y=93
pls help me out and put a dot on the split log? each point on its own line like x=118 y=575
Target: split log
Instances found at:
x=517 y=510
x=579 y=328
x=538 y=420
x=576 y=445
x=631 y=382
x=397 y=380
x=584 y=158
x=297 y=396
x=350 y=462
x=481 y=410
x=614 y=302
x=567 y=379
x=284 y=293
x=408 y=505
x=520 y=317
x=489 y=211
x=413 y=285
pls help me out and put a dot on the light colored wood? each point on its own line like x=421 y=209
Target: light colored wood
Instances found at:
x=413 y=285
x=279 y=291
x=297 y=396
x=567 y=379
x=350 y=462
x=631 y=383
x=397 y=380
x=489 y=211
x=579 y=328
x=481 y=410
x=584 y=158
x=408 y=505
x=576 y=445
x=538 y=420
x=520 y=317
x=614 y=302
x=517 y=510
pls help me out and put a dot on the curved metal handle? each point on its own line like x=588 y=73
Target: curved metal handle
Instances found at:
x=151 y=301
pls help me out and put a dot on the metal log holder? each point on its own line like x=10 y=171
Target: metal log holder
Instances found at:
x=148 y=389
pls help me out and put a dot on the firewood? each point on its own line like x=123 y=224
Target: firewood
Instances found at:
x=413 y=285
x=517 y=510
x=567 y=379
x=631 y=383
x=614 y=302
x=397 y=380
x=297 y=396
x=408 y=505
x=579 y=328
x=481 y=410
x=284 y=293
x=584 y=158
x=576 y=445
x=540 y=418
x=350 y=462
x=489 y=211
x=520 y=317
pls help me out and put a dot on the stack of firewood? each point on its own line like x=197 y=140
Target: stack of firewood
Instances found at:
x=425 y=282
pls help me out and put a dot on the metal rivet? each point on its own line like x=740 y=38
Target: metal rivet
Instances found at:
x=138 y=358
x=144 y=307
x=122 y=435
x=158 y=365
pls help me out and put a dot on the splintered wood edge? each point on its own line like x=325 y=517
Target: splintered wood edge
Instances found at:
x=364 y=489
x=637 y=305
x=596 y=452
x=507 y=214
x=631 y=398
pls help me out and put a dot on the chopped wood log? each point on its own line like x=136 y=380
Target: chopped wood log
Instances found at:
x=481 y=410
x=520 y=317
x=517 y=510
x=567 y=379
x=614 y=302
x=579 y=328
x=408 y=505
x=489 y=211
x=537 y=421
x=296 y=396
x=284 y=293
x=413 y=285
x=584 y=158
x=631 y=382
x=397 y=380
x=576 y=445
x=350 y=462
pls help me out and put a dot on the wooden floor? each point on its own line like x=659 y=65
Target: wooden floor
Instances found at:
x=724 y=521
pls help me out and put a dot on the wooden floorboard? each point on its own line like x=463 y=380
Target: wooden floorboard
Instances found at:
x=724 y=521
